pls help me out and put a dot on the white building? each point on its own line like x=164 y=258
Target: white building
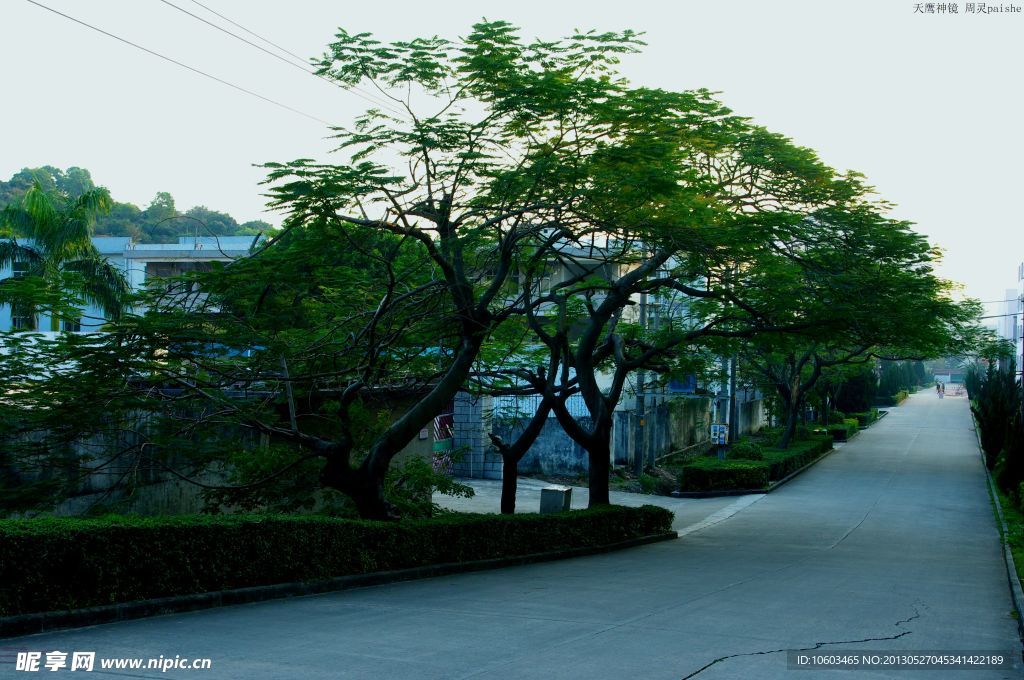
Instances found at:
x=139 y=262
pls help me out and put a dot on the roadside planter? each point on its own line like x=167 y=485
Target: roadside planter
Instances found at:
x=709 y=474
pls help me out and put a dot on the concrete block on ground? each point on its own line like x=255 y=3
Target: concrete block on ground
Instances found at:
x=555 y=498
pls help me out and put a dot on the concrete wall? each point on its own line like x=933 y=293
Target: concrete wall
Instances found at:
x=752 y=416
x=474 y=454
x=677 y=423
x=129 y=485
x=554 y=452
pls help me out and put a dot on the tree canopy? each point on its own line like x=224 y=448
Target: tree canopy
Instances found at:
x=159 y=222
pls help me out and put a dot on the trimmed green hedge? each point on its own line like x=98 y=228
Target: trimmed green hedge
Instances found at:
x=894 y=400
x=866 y=418
x=712 y=474
x=844 y=431
x=53 y=564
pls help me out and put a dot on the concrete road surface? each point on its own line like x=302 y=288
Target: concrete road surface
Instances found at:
x=888 y=545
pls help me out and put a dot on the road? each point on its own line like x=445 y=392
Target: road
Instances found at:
x=887 y=545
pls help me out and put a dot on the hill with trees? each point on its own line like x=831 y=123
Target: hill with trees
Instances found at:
x=159 y=222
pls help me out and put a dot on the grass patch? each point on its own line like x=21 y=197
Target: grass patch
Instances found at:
x=1015 y=530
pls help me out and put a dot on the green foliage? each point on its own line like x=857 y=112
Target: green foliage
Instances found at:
x=997 y=402
x=1010 y=468
x=896 y=377
x=973 y=378
x=836 y=418
x=746 y=449
x=848 y=427
x=866 y=418
x=120 y=559
x=159 y=223
x=410 y=485
x=857 y=393
x=712 y=474
x=648 y=483
x=52 y=246
x=707 y=474
x=893 y=400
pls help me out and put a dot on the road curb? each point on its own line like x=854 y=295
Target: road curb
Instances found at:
x=31 y=624
x=1016 y=591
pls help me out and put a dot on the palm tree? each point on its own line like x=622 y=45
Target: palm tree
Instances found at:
x=55 y=249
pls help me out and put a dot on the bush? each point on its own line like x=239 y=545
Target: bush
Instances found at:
x=746 y=449
x=1010 y=469
x=894 y=400
x=783 y=462
x=90 y=562
x=712 y=474
x=996 y=404
x=866 y=418
x=845 y=430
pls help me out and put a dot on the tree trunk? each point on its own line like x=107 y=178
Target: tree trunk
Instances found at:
x=599 y=456
x=365 y=489
x=512 y=453
x=509 y=483
x=790 y=427
x=371 y=504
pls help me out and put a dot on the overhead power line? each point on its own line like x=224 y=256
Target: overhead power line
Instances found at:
x=300 y=63
x=181 y=64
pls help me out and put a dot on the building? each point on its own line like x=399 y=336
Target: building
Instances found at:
x=1011 y=321
x=140 y=263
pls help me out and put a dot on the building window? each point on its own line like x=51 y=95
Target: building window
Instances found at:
x=19 y=270
x=23 y=322
x=72 y=325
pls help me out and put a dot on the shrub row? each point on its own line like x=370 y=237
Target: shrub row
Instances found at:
x=712 y=474
x=865 y=418
x=55 y=564
x=845 y=430
x=894 y=400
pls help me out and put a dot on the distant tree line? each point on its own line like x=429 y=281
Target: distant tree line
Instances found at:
x=159 y=222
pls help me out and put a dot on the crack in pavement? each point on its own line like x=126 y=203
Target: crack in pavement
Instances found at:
x=917 y=615
x=817 y=645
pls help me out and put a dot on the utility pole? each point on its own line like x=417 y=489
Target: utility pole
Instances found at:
x=641 y=411
x=734 y=421
x=652 y=429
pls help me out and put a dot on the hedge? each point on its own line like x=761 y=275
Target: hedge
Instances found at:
x=712 y=474
x=57 y=564
x=844 y=431
x=866 y=418
x=894 y=400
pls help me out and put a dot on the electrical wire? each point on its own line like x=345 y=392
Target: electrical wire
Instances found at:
x=302 y=67
x=178 y=63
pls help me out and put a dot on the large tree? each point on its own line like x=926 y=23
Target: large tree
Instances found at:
x=501 y=151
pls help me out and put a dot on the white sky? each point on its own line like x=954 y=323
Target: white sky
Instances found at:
x=924 y=105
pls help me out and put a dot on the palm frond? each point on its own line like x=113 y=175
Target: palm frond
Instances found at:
x=11 y=251
x=101 y=283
